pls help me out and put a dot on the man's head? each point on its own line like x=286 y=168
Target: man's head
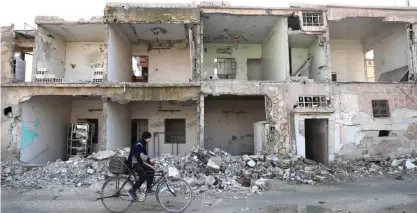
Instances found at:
x=146 y=136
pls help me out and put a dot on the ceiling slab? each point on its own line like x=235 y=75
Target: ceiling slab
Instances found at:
x=356 y=28
x=73 y=32
x=223 y=28
x=153 y=32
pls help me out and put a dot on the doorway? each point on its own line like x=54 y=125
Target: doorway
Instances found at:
x=138 y=127
x=316 y=140
x=254 y=69
x=140 y=66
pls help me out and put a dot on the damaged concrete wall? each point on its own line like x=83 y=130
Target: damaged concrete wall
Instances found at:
x=44 y=128
x=229 y=131
x=89 y=109
x=390 y=49
x=156 y=121
x=275 y=57
x=7 y=51
x=359 y=129
x=49 y=53
x=119 y=56
x=276 y=111
x=353 y=130
x=240 y=52
x=348 y=59
x=118 y=125
x=167 y=65
x=82 y=59
x=150 y=13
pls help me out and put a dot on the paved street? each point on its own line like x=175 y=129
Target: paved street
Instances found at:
x=386 y=196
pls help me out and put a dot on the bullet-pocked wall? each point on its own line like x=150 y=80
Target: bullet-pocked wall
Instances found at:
x=68 y=57
x=173 y=125
x=229 y=122
x=363 y=119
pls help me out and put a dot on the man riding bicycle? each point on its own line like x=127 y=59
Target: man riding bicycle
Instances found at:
x=138 y=159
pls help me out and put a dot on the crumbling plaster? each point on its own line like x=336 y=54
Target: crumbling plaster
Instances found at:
x=7 y=51
x=150 y=13
x=388 y=14
x=49 y=53
x=352 y=127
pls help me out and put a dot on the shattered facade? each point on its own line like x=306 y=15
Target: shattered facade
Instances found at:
x=317 y=81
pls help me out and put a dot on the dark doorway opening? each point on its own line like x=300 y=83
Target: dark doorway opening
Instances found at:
x=138 y=127
x=316 y=140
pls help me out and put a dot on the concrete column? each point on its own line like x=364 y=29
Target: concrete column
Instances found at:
x=200 y=119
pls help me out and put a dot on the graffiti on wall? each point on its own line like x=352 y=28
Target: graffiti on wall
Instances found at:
x=29 y=133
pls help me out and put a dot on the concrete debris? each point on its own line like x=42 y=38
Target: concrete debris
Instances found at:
x=409 y=165
x=173 y=172
x=101 y=155
x=211 y=172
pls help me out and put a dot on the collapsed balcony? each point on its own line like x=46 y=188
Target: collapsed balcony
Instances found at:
x=244 y=47
x=68 y=52
x=368 y=50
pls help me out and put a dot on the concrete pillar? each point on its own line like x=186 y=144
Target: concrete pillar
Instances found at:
x=200 y=119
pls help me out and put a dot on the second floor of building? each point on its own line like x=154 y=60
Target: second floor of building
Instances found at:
x=191 y=43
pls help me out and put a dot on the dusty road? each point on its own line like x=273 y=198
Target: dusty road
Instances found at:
x=389 y=196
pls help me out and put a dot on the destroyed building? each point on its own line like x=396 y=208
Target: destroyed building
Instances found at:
x=316 y=81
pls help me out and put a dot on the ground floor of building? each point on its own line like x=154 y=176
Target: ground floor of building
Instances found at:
x=313 y=120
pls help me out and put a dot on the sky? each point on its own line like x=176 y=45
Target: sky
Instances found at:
x=20 y=12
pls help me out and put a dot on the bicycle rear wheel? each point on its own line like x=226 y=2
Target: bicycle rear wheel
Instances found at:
x=174 y=195
x=114 y=194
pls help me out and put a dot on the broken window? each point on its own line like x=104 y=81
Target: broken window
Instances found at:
x=313 y=101
x=312 y=19
x=225 y=68
x=380 y=108
x=174 y=131
x=140 y=66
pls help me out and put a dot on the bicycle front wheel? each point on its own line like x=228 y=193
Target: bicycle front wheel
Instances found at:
x=174 y=195
x=114 y=194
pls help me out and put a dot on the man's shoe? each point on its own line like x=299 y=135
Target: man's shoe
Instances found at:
x=132 y=194
x=150 y=191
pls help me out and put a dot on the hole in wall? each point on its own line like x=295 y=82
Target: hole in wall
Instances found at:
x=294 y=23
x=383 y=133
x=7 y=111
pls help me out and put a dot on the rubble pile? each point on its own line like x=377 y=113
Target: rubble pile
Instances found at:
x=213 y=172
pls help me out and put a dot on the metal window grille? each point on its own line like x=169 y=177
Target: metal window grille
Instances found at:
x=313 y=101
x=380 y=108
x=313 y=19
x=226 y=68
x=175 y=131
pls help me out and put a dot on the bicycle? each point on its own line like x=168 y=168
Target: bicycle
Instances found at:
x=163 y=183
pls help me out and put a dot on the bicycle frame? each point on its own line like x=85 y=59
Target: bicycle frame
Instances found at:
x=160 y=174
